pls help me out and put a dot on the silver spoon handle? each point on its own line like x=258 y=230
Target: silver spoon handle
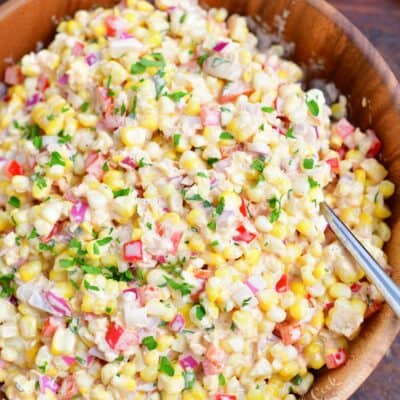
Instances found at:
x=372 y=269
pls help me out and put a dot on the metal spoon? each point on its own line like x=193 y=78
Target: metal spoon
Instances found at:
x=389 y=290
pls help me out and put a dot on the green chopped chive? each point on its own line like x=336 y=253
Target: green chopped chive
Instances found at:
x=88 y=286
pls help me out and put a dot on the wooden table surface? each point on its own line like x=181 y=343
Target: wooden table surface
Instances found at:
x=379 y=20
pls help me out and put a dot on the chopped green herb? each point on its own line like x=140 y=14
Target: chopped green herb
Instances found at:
x=33 y=234
x=258 y=164
x=88 y=286
x=32 y=132
x=105 y=167
x=121 y=192
x=63 y=138
x=212 y=225
x=184 y=288
x=212 y=160
x=176 y=139
x=149 y=225
x=195 y=197
x=89 y=269
x=166 y=366
x=221 y=380
x=200 y=312
x=67 y=262
x=149 y=342
x=6 y=285
x=51 y=117
x=156 y=60
x=104 y=241
x=114 y=274
x=246 y=302
x=39 y=181
x=42 y=368
x=312 y=182
x=176 y=96
x=133 y=107
x=84 y=106
x=308 y=163
x=14 y=202
x=182 y=18
x=313 y=107
x=202 y=174
x=232 y=327
x=202 y=58
x=226 y=136
x=142 y=163
x=189 y=378
x=289 y=133
x=220 y=206
x=214 y=243
x=56 y=159
x=297 y=380
x=47 y=246
x=268 y=109
x=174 y=268
x=275 y=206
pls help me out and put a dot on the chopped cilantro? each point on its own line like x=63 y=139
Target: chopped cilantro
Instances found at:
x=121 y=192
x=226 y=136
x=176 y=139
x=84 y=106
x=33 y=234
x=258 y=164
x=312 y=182
x=221 y=380
x=184 y=288
x=200 y=312
x=176 y=96
x=182 y=18
x=313 y=107
x=88 y=286
x=149 y=342
x=246 y=302
x=220 y=206
x=166 y=366
x=212 y=225
x=14 y=202
x=56 y=159
x=268 y=109
x=289 y=133
x=202 y=174
x=7 y=289
x=202 y=58
x=308 y=163
x=212 y=160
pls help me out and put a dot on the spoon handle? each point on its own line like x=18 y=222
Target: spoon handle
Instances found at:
x=389 y=290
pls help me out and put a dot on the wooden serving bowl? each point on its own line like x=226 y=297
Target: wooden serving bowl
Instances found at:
x=320 y=33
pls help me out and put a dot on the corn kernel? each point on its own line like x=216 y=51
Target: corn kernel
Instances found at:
x=30 y=270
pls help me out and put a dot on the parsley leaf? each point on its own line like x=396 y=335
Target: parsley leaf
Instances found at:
x=268 y=109
x=220 y=206
x=176 y=139
x=221 y=380
x=56 y=159
x=166 y=366
x=149 y=342
x=308 y=163
x=289 y=133
x=258 y=164
x=226 y=136
x=212 y=225
x=88 y=286
x=7 y=289
x=176 y=96
x=14 y=202
x=184 y=288
x=312 y=182
x=313 y=107
x=200 y=312
x=121 y=192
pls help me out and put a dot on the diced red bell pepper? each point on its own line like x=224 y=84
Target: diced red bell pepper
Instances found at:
x=243 y=207
x=77 y=50
x=68 y=389
x=355 y=287
x=243 y=235
x=13 y=75
x=115 y=26
x=344 y=128
x=373 y=308
x=133 y=251
x=233 y=90
x=336 y=360
x=14 y=168
x=334 y=164
x=329 y=305
x=225 y=396
x=288 y=332
x=94 y=164
x=283 y=284
x=210 y=115
x=342 y=152
x=119 y=338
x=54 y=231
x=50 y=326
x=42 y=83
x=375 y=146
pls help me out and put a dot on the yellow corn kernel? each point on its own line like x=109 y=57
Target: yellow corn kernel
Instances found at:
x=349 y=216
x=299 y=308
x=170 y=218
x=267 y=299
x=152 y=357
x=360 y=175
x=5 y=221
x=129 y=369
x=193 y=107
x=164 y=342
x=58 y=275
x=197 y=393
x=386 y=188
x=383 y=231
x=28 y=326
x=289 y=370
x=196 y=244
x=30 y=270
x=149 y=121
x=298 y=288
x=336 y=142
x=318 y=319
x=114 y=179
x=63 y=342
x=149 y=373
x=87 y=120
x=279 y=230
x=213 y=259
x=229 y=252
x=354 y=155
x=339 y=290
x=252 y=257
x=366 y=220
x=65 y=289
x=195 y=217
x=381 y=211
x=143 y=5
x=136 y=234
x=154 y=39
x=305 y=227
x=313 y=355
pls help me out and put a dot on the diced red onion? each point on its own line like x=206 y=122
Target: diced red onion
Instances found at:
x=132 y=290
x=35 y=98
x=46 y=382
x=3 y=90
x=68 y=360
x=177 y=324
x=58 y=304
x=161 y=259
x=188 y=362
x=89 y=359
x=63 y=79
x=251 y=287
x=222 y=165
x=95 y=352
x=91 y=59
x=112 y=122
x=220 y=46
x=78 y=211
x=129 y=162
x=316 y=131
x=126 y=35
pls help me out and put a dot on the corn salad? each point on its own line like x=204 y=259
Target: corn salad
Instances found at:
x=160 y=181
